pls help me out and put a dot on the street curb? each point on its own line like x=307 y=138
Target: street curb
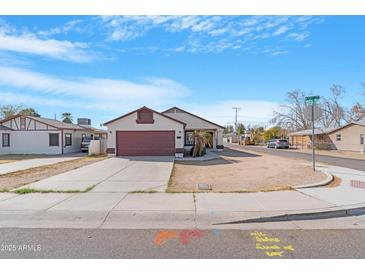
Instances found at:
x=324 y=182
x=302 y=216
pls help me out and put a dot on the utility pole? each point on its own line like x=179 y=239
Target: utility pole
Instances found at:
x=235 y=123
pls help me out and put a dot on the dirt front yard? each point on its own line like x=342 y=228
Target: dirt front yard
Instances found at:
x=16 y=179
x=241 y=171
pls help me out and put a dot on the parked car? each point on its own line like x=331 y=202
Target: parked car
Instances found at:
x=278 y=143
x=85 y=143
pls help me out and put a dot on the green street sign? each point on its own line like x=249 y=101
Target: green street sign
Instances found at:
x=312 y=99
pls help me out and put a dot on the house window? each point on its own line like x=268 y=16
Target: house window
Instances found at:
x=338 y=137
x=362 y=139
x=189 y=138
x=145 y=116
x=22 y=122
x=6 y=139
x=68 y=139
x=54 y=140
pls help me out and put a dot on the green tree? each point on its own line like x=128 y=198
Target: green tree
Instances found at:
x=7 y=111
x=240 y=128
x=67 y=117
x=29 y=112
x=274 y=132
x=228 y=129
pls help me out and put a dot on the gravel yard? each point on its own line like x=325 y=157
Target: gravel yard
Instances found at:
x=16 y=179
x=241 y=171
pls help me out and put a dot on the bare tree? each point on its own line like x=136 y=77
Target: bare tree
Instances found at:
x=333 y=112
x=291 y=115
x=356 y=113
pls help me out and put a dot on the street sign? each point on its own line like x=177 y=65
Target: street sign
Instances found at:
x=312 y=99
x=317 y=113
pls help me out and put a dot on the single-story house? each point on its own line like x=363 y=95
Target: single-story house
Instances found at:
x=231 y=138
x=23 y=134
x=303 y=138
x=350 y=137
x=146 y=132
x=97 y=133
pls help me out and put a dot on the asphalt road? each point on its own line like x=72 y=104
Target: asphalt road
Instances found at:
x=98 y=243
x=330 y=160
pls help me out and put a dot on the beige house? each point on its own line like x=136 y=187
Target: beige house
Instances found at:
x=146 y=132
x=349 y=137
x=303 y=138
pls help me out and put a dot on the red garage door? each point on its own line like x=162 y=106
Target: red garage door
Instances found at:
x=145 y=143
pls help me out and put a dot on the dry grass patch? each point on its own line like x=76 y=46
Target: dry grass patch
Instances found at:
x=18 y=157
x=335 y=182
x=16 y=179
x=238 y=171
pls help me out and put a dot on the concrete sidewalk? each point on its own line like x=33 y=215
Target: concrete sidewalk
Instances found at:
x=163 y=210
x=316 y=208
x=31 y=163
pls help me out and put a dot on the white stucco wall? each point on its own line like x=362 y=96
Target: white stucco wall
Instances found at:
x=76 y=141
x=31 y=142
x=350 y=138
x=4 y=150
x=195 y=123
x=128 y=123
x=191 y=121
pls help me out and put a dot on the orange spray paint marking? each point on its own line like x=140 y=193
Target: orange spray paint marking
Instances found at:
x=186 y=235
x=163 y=236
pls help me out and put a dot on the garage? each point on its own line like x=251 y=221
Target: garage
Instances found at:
x=145 y=143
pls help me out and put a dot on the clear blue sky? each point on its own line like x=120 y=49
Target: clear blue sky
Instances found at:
x=102 y=67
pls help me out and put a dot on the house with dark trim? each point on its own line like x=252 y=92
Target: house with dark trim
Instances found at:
x=23 y=134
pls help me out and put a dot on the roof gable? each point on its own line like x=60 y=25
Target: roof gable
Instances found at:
x=4 y=128
x=144 y=108
x=46 y=121
x=347 y=125
x=175 y=111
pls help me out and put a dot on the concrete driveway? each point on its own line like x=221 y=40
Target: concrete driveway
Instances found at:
x=36 y=162
x=113 y=175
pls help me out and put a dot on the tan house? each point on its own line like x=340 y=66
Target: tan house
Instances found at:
x=303 y=138
x=349 y=137
x=146 y=132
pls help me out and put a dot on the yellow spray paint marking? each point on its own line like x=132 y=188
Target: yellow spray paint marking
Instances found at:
x=274 y=254
x=271 y=246
x=289 y=248
x=265 y=247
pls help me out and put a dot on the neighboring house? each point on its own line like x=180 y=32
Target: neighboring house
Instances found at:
x=350 y=137
x=96 y=132
x=146 y=132
x=231 y=138
x=37 y=135
x=303 y=138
